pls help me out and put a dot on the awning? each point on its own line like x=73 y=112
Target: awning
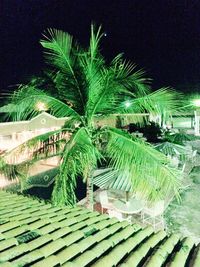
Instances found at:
x=108 y=178
x=172 y=149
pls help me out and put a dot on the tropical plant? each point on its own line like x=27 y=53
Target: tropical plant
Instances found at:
x=80 y=85
x=180 y=138
x=172 y=149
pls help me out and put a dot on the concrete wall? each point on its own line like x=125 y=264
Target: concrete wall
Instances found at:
x=183 y=122
x=43 y=120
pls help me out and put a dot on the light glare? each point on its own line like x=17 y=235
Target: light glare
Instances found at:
x=196 y=102
x=41 y=106
x=127 y=104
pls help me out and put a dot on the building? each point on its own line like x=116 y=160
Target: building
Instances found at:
x=15 y=133
x=36 y=234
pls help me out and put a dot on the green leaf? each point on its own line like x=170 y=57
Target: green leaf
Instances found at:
x=79 y=159
x=142 y=164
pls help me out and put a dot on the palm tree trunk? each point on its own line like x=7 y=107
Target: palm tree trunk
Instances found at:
x=89 y=192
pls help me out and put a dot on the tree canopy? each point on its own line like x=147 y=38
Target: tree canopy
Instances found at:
x=78 y=83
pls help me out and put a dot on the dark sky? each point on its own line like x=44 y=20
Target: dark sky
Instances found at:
x=162 y=36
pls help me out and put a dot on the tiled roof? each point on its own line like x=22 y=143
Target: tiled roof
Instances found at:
x=33 y=233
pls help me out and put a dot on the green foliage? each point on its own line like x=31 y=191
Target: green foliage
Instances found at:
x=79 y=158
x=172 y=149
x=81 y=85
x=145 y=166
x=179 y=138
x=12 y=171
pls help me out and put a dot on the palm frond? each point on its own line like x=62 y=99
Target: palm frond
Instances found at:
x=79 y=158
x=145 y=166
x=110 y=85
x=8 y=170
x=62 y=55
x=128 y=76
x=43 y=146
x=162 y=101
x=98 y=101
x=58 y=45
x=16 y=163
x=92 y=64
x=25 y=100
x=180 y=138
x=171 y=149
x=95 y=38
x=84 y=86
x=166 y=100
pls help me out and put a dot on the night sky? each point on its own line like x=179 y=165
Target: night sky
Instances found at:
x=161 y=36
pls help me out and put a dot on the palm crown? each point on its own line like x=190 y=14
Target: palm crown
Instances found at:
x=81 y=86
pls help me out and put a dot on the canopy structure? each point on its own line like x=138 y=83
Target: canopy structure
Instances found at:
x=181 y=137
x=112 y=179
x=172 y=149
x=36 y=234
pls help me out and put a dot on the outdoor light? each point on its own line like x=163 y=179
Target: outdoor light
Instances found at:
x=41 y=106
x=127 y=104
x=196 y=102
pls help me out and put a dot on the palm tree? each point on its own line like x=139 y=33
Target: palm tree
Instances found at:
x=79 y=84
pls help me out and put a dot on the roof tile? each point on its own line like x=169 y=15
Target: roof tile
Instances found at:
x=76 y=237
